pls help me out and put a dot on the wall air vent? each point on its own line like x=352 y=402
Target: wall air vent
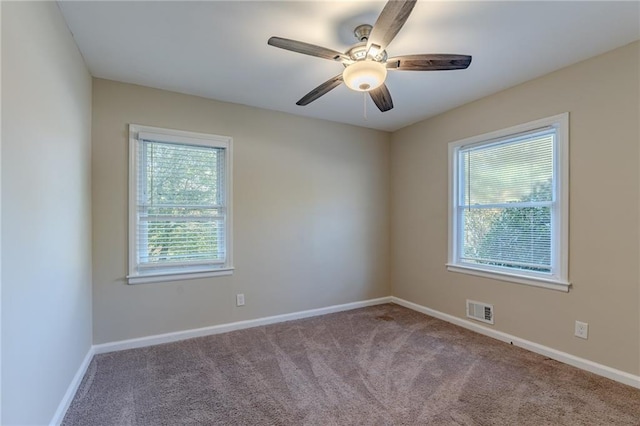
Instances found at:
x=480 y=311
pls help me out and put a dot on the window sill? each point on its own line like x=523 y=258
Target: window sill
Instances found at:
x=553 y=284
x=177 y=276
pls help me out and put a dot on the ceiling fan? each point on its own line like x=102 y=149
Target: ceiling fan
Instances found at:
x=366 y=62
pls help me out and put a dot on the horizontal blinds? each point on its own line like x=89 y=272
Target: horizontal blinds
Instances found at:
x=181 y=207
x=505 y=202
x=511 y=171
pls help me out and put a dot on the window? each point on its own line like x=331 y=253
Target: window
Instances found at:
x=508 y=207
x=179 y=205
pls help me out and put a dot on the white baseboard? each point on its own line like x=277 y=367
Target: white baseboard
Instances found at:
x=225 y=328
x=72 y=389
x=584 y=364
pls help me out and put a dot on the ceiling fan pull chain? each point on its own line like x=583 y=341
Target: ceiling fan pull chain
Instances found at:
x=364 y=98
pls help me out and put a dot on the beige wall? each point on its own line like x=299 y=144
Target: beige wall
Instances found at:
x=46 y=216
x=602 y=97
x=311 y=214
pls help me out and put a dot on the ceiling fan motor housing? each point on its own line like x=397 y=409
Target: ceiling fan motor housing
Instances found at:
x=359 y=53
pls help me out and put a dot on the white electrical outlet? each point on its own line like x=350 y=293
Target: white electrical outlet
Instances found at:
x=239 y=299
x=582 y=329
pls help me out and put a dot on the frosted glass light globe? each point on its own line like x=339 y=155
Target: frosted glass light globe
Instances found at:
x=363 y=76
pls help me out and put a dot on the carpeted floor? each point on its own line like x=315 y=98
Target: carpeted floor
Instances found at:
x=383 y=365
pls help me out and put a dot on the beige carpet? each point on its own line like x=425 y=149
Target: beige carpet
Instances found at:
x=383 y=365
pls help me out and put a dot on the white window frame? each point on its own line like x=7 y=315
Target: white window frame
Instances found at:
x=137 y=276
x=558 y=279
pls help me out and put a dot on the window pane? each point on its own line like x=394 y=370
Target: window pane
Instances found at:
x=518 y=237
x=180 y=241
x=506 y=200
x=182 y=174
x=181 y=212
x=508 y=172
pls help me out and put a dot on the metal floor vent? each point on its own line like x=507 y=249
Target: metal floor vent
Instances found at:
x=480 y=311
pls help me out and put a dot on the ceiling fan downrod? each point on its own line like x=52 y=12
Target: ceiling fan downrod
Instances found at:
x=362 y=32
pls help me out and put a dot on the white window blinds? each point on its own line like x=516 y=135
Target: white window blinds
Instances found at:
x=180 y=205
x=505 y=202
x=181 y=208
x=508 y=204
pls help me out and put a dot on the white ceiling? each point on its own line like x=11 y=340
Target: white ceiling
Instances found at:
x=218 y=49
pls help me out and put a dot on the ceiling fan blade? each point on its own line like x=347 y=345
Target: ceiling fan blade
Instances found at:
x=429 y=62
x=321 y=90
x=391 y=19
x=382 y=98
x=307 y=49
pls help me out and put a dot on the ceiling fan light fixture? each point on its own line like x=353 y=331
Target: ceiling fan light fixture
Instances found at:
x=363 y=76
